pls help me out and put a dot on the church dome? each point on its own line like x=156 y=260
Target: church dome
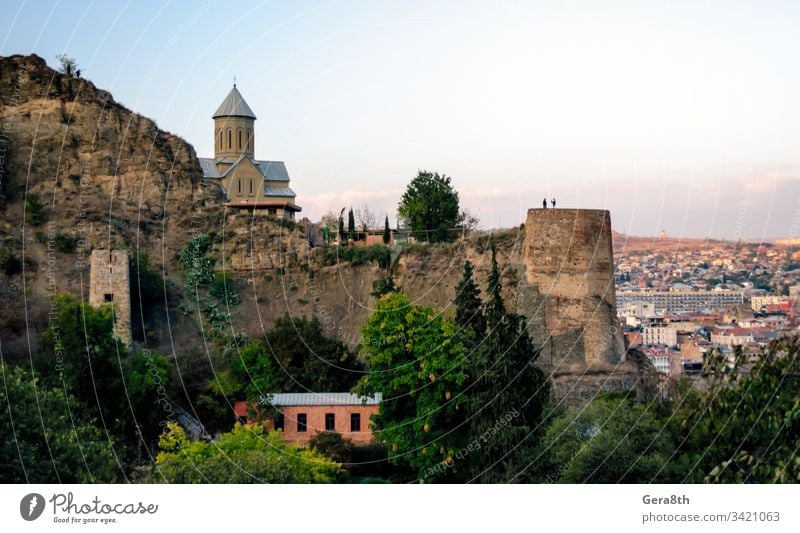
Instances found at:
x=234 y=106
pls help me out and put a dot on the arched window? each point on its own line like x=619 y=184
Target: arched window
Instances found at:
x=240 y=186
x=219 y=136
x=240 y=138
x=249 y=141
x=230 y=139
x=251 y=186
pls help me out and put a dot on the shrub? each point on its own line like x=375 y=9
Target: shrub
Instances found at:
x=224 y=288
x=332 y=445
x=64 y=243
x=34 y=210
x=9 y=262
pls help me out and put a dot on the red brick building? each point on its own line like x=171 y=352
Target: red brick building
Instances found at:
x=303 y=415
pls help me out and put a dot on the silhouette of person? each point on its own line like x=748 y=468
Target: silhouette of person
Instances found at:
x=544 y=203
x=553 y=201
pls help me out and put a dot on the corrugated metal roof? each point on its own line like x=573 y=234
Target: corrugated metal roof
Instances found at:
x=234 y=106
x=319 y=398
x=284 y=191
x=209 y=167
x=273 y=170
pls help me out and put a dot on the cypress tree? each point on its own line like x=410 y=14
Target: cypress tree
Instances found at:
x=469 y=314
x=342 y=234
x=351 y=224
x=387 y=236
x=506 y=402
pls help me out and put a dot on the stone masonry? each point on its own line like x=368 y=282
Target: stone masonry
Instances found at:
x=567 y=289
x=109 y=283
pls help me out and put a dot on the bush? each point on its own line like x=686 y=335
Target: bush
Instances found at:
x=224 y=288
x=332 y=445
x=64 y=243
x=197 y=266
x=381 y=255
x=34 y=210
x=9 y=262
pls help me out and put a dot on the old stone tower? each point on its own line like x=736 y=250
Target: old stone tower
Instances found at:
x=567 y=288
x=109 y=283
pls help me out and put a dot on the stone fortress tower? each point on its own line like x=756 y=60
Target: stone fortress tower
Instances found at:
x=109 y=283
x=567 y=289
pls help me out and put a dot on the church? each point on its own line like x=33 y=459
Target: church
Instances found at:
x=246 y=181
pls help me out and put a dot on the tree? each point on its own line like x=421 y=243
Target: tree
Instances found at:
x=329 y=220
x=332 y=445
x=505 y=381
x=342 y=234
x=366 y=218
x=744 y=428
x=416 y=361
x=614 y=439
x=469 y=312
x=351 y=224
x=383 y=286
x=296 y=357
x=387 y=234
x=48 y=436
x=67 y=65
x=430 y=207
x=247 y=454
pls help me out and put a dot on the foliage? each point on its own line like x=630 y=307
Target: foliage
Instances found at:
x=359 y=255
x=469 y=312
x=331 y=445
x=746 y=429
x=10 y=264
x=67 y=65
x=148 y=288
x=430 y=207
x=48 y=437
x=224 y=288
x=506 y=386
x=387 y=233
x=198 y=268
x=64 y=243
x=365 y=217
x=611 y=440
x=296 y=357
x=416 y=361
x=383 y=286
x=247 y=454
x=34 y=210
x=351 y=224
x=342 y=234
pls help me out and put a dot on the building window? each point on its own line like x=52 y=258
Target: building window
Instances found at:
x=219 y=135
x=230 y=137
x=249 y=141
x=302 y=423
x=251 y=187
x=240 y=186
x=240 y=139
x=330 y=422
x=355 y=422
x=108 y=297
x=279 y=421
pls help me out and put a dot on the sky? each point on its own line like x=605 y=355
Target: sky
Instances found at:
x=675 y=116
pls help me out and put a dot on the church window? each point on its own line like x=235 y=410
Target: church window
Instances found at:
x=240 y=139
x=230 y=139
x=240 y=186
x=251 y=186
x=249 y=141
x=219 y=134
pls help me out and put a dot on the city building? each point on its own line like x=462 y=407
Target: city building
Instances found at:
x=682 y=301
x=245 y=181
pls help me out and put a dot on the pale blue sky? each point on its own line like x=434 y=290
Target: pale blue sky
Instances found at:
x=683 y=116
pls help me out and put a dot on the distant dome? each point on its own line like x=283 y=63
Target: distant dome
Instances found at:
x=234 y=106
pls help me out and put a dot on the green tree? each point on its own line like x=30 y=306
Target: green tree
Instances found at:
x=351 y=224
x=247 y=454
x=416 y=361
x=744 y=428
x=383 y=286
x=296 y=356
x=342 y=234
x=332 y=445
x=387 y=234
x=614 y=439
x=49 y=438
x=469 y=309
x=430 y=207
x=505 y=383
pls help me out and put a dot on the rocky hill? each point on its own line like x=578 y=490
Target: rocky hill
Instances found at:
x=81 y=171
